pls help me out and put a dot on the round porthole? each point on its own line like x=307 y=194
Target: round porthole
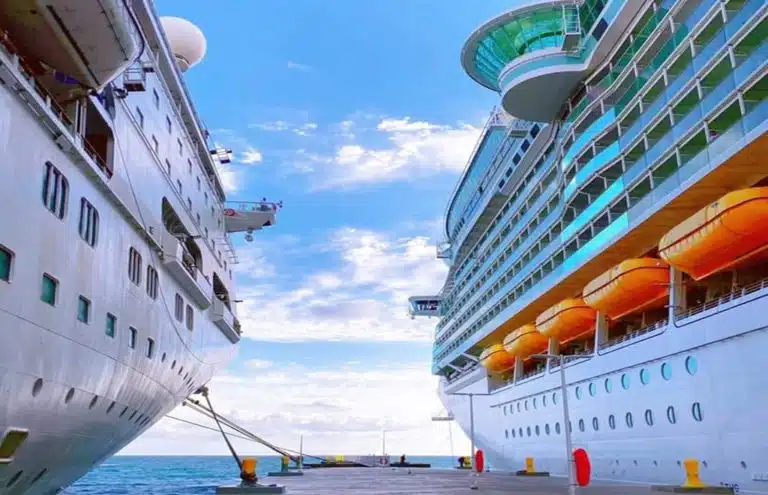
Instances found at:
x=537 y=430
x=506 y=433
x=628 y=418
x=93 y=402
x=546 y=428
x=666 y=371
x=518 y=407
x=691 y=366
x=69 y=396
x=649 y=417
x=528 y=431
x=526 y=404
x=14 y=479
x=608 y=386
x=578 y=393
x=505 y=410
x=520 y=432
x=543 y=401
x=671 y=415
x=554 y=398
x=557 y=428
x=595 y=424
x=625 y=381
x=534 y=403
x=645 y=377
x=696 y=411
x=111 y=406
x=162 y=359
x=592 y=389
x=581 y=425
x=611 y=422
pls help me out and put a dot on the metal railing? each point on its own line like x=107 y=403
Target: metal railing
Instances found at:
x=734 y=295
x=633 y=334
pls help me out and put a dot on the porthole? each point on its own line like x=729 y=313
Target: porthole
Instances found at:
x=649 y=417
x=578 y=393
x=625 y=381
x=581 y=425
x=513 y=433
x=691 y=366
x=125 y=410
x=162 y=359
x=656 y=463
x=538 y=431
x=595 y=424
x=133 y=414
x=557 y=428
x=173 y=364
x=546 y=428
x=528 y=431
x=628 y=419
x=743 y=465
x=666 y=371
x=608 y=386
x=526 y=404
x=511 y=410
x=111 y=406
x=39 y=475
x=543 y=401
x=520 y=432
x=645 y=377
x=37 y=387
x=505 y=410
x=611 y=422
x=592 y=389
x=94 y=400
x=696 y=411
x=671 y=415
x=14 y=479
x=518 y=407
x=68 y=397
x=534 y=403
x=506 y=434
x=570 y=427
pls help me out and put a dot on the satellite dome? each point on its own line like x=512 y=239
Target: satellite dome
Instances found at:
x=187 y=41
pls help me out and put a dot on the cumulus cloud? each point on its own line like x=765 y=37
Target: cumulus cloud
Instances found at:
x=251 y=156
x=364 y=299
x=412 y=150
x=300 y=129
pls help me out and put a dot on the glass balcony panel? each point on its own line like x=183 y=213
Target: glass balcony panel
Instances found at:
x=588 y=171
x=757 y=59
x=680 y=81
x=742 y=16
x=636 y=170
x=685 y=125
x=757 y=116
x=662 y=145
x=704 y=55
x=726 y=140
x=696 y=16
x=718 y=95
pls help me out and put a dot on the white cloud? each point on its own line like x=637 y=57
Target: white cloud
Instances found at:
x=302 y=129
x=251 y=156
x=258 y=364
x=364 y=299
x=229 y=179
x=297 y=66
x=413 y=150
x=339 y=409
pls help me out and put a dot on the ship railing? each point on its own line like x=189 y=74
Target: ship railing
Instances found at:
x=633 y=334
x=735 y=294
x=6 y=45
x=247 y=206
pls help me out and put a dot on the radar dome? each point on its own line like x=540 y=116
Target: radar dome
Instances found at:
x=187 y=41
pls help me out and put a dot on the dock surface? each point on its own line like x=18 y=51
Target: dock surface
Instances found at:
x=397 y=481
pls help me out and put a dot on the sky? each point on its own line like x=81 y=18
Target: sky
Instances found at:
x=359 y=117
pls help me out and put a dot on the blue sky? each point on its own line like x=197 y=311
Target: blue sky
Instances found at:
x=359 y=117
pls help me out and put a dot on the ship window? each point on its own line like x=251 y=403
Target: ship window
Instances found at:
x=629 y=421
x=528 y=431
x=671 y=415
x=14 y=479
x=168 y=123
x=578 y=393
x=608 y=385
x=181 y=152
x=83 y=309
x=554 y=398
x=526 y=404
x=50 y=286
x=179 y=308
x=649 y=417
x=156 y=98
x=111 y=323
x=55 y=190
x=140 y=117
x=611 y=422
x=592 y=389
x=178 y=184
x=538 y=431
x=12 y=440
x=513 y=432
x=557 y=428
x=595 y=424
x=645 y=377
x=190 y=318
x=543 y=401
x=6 y=260
x=581 y=425
x=155 y=144
x=168 y=167
x=125 y=410
x=696 y=411
x=132 y=333
x=691 y=366
x=197 y=217
x=150 y=348
x=152 y=282
x=546 y=429
x=189 y=202
x=89 y=222
x=625 y=381
x=534 y=403
x=134 y=266
x=666 y=371
x=505 y=410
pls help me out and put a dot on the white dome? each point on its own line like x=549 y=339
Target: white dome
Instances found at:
x=186 y=39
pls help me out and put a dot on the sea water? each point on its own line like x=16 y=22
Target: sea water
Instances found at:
x=185 y=475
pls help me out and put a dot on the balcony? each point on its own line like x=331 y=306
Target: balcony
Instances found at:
x=180 y=264
x=223 y=318
x=250 y=216
x=424 y=306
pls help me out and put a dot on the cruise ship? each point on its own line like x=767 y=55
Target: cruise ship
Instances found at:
x=613 y=218
x=117 y=296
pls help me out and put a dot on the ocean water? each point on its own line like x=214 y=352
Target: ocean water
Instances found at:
x=184 y=475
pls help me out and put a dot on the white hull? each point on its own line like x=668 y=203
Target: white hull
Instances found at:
x=731 y=442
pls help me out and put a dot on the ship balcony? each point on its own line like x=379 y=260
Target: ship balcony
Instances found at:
x=222 y=317
x=180 y=263
x=250 y=216
x=424 y=306
x=90 y=43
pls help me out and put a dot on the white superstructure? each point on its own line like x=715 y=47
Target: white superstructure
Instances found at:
x=116 y=278
x=618 y=219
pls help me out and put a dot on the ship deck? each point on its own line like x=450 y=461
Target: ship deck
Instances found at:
x=396 y=481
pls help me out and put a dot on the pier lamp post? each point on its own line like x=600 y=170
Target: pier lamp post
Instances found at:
x=471 y=396
x=566 y=415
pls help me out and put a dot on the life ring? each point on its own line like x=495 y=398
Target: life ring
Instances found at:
x=229 y=212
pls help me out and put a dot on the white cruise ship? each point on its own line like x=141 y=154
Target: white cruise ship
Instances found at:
x=614 y=212
x=116 y=287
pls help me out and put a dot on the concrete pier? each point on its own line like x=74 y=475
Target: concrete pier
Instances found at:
x=398 y=481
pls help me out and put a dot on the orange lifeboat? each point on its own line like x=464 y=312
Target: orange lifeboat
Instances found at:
x=525 y=341
x=567 y=320
x=496 y=359
x=726 y=233
x=632 y=285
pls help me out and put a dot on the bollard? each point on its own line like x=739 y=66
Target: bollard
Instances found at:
x=530 y=469
x=284 y=463
x=692 y=479
x=693 y=482
x=248 y=470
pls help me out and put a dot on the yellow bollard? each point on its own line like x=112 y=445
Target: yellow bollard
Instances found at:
x=284 y=463
x=692 y=479
x=248 y=470
x=530 y=466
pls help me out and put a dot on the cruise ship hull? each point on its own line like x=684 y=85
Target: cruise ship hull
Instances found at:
x=702 y=379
